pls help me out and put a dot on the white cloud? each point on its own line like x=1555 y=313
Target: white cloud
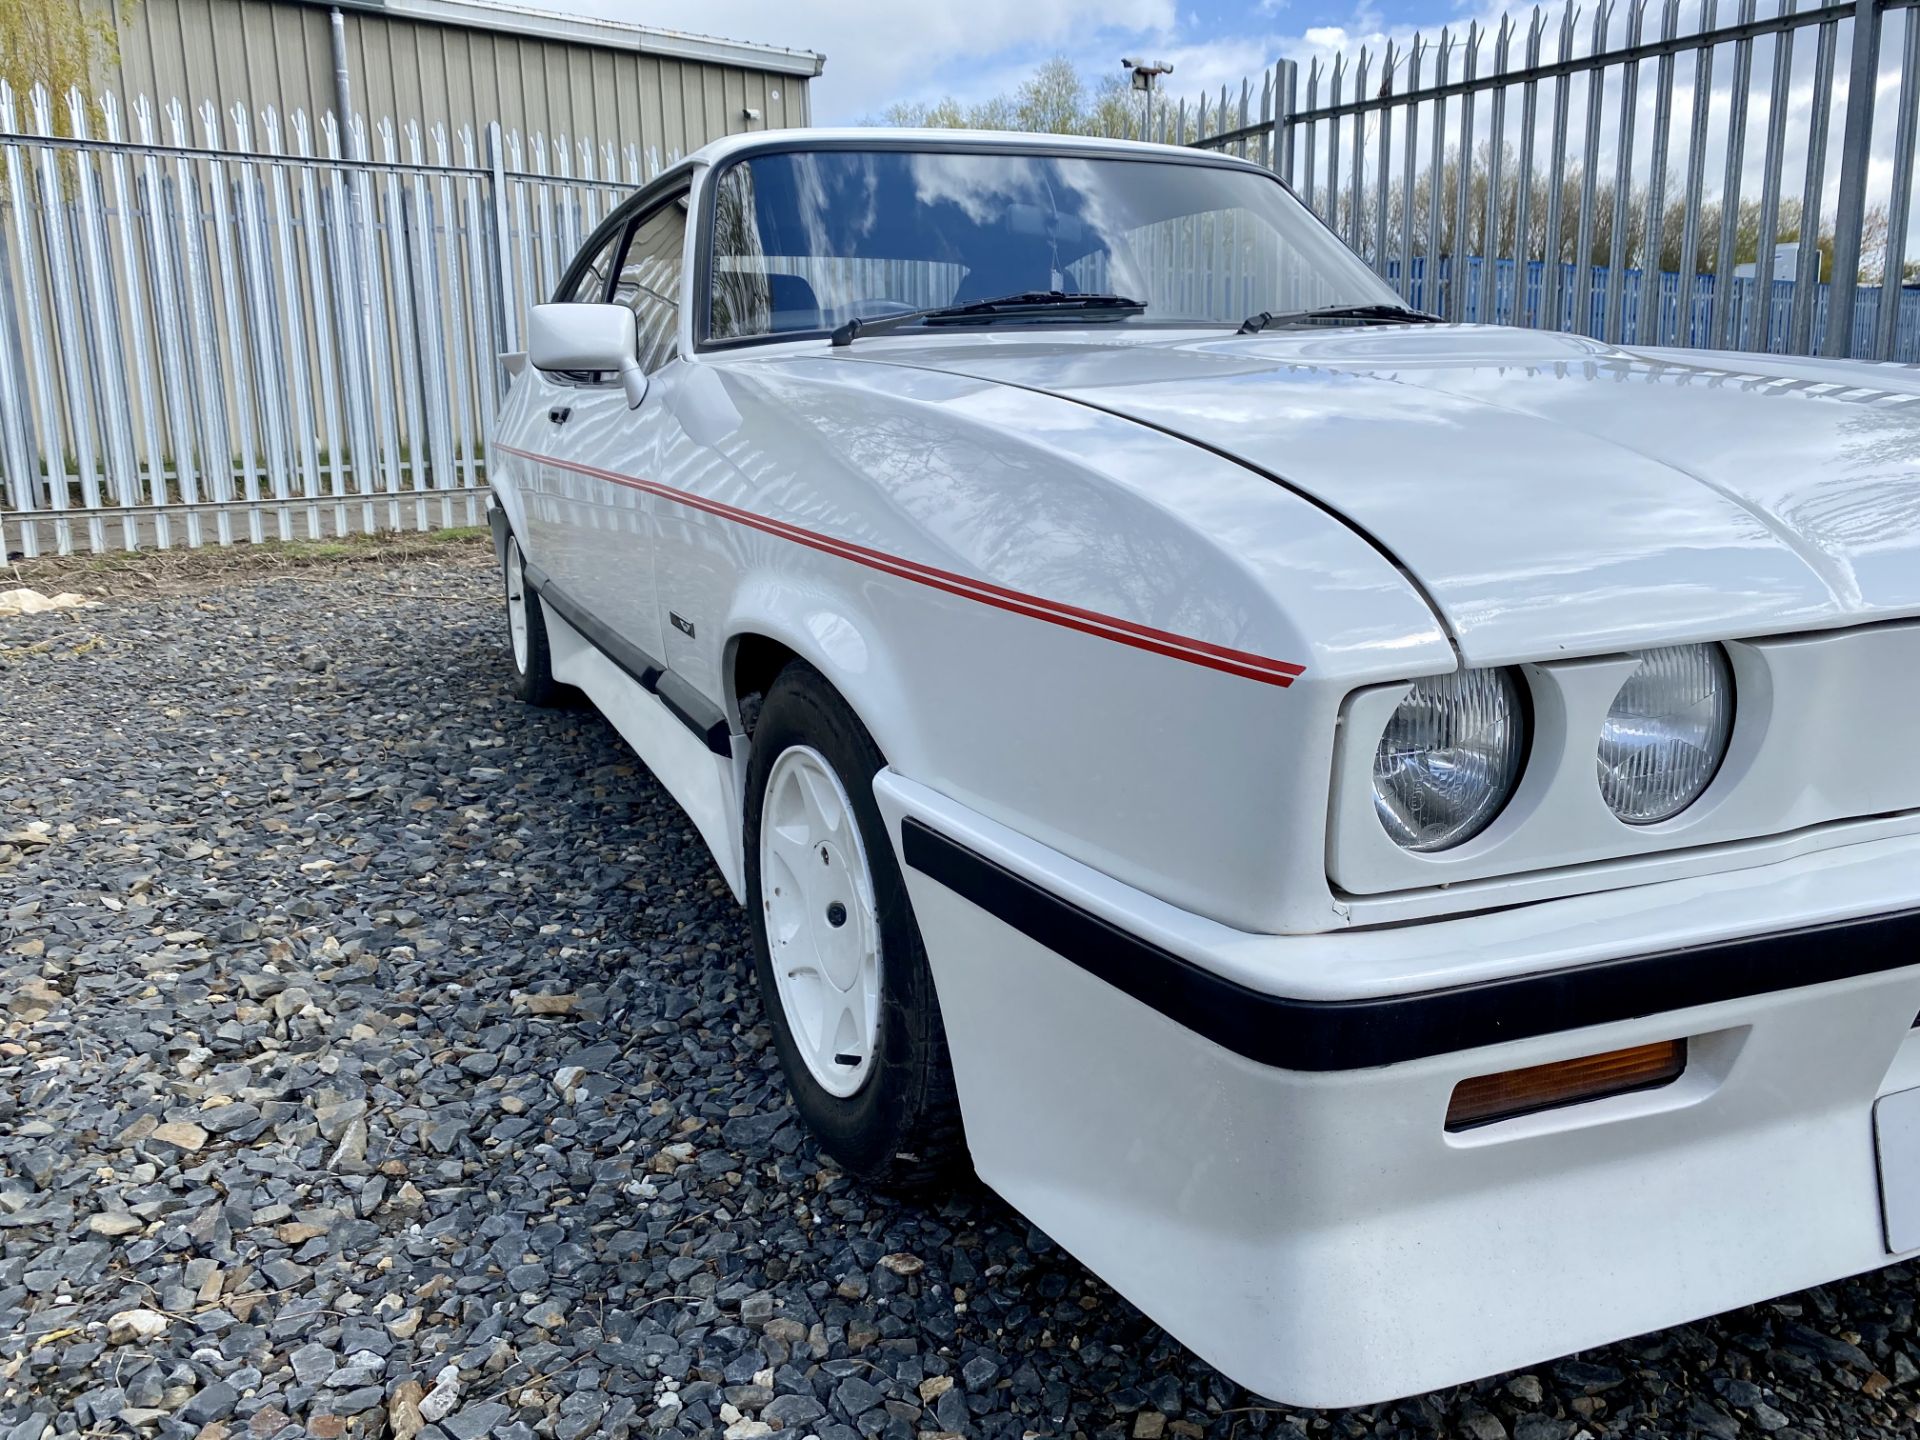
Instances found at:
x=1205 y=66
x=880 y=51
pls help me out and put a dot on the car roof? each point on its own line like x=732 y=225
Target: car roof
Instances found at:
x=879 y=137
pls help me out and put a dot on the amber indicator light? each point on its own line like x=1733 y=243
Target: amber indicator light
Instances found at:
x=1487 y=1098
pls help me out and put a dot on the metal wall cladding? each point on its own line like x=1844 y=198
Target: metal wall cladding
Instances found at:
x=278 y=53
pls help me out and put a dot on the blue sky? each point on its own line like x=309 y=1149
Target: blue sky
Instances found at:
x=880 y=51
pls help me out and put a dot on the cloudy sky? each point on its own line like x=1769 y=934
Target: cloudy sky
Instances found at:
x=880 y=51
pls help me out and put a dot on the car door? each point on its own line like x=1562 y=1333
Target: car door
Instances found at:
x=601 y=449
x=559 y=504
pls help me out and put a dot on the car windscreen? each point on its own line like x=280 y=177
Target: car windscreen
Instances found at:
x=805 y=240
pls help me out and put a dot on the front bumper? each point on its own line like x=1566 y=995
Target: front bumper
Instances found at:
x=1248 y=1141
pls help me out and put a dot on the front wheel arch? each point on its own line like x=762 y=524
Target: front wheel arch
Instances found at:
x=773 y=622
x=753 y=663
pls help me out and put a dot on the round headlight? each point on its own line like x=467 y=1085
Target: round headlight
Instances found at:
x=1667 y=732
x=1449 y=759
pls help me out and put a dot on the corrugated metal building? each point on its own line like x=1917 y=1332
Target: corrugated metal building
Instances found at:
x=461 y=63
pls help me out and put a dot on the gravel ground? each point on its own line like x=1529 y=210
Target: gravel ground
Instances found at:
x=376 y=1054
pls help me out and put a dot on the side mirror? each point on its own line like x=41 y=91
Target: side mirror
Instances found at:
x=587 y=337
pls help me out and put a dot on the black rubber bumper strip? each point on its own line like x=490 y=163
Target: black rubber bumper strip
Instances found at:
x=1325 y=1035
x=676 y=696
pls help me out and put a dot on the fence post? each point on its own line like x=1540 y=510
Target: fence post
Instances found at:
x=1436 y=167
x=147 y=382
x=63 y=299
x=1462 y=214
x=19 y=461
x=1905 y=142
x=1334 y=92
x=1724 y=332
x=1286 y=78
x=1382 y=171
x=1762 y=336
x=1488 y=313
x=1589 y=179
x=1806 y=280
x=1856 y=150
x=506 y=319
x=1650 y=321
x=175 y=368
x=1410 y=167
x=1614 y=327
x=102 y=311
x=1523 y=196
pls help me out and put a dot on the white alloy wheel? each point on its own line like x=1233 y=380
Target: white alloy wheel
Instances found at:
x=822 y=926
x=517 y=604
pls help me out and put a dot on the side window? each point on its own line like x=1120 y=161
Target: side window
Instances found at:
x=588 y=287
x=648 y=281
x=591 y=287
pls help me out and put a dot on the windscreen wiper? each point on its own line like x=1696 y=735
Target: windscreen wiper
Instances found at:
x=1038 y=302
x=1363 y=314
x=1022 y=305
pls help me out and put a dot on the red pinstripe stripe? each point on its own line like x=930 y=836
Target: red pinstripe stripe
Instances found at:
x=1071 y=617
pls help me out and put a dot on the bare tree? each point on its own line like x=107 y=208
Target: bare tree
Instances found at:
x=1465 y=233
x=56 y=43
x=1055 y=100
x=1052 y=101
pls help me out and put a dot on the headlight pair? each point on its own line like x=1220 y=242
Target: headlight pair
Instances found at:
x=1452 y=753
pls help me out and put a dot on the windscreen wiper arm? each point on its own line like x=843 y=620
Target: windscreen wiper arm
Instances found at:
x=1365 y=314
x=860 y=326
x=1024 y=303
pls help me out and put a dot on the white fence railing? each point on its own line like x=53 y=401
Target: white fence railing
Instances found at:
x=219 y=327
x=1634 y=172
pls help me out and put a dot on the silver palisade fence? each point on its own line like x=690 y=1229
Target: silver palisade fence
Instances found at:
x=219 y=327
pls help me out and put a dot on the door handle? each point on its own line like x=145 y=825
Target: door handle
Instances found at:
x=558 y=415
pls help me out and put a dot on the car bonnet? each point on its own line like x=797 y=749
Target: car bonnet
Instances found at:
x=1550 y=494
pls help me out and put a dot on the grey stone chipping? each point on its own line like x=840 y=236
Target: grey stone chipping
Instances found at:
x=401 y=1040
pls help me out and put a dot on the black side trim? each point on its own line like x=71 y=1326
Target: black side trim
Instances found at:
x=1322 y=1035
x=624 y=653
x=695 y=711
x=681 y=700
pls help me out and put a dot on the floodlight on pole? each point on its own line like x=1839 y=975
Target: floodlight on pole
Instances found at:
x=1145 y=72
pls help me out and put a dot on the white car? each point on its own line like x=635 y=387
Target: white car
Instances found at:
x=1397 y=844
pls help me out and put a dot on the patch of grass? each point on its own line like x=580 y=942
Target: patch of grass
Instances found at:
x=133 y=571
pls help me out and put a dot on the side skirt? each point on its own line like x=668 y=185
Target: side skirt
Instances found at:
x=687 y=705
x=681 y=755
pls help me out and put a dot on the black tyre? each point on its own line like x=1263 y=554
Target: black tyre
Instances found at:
x=527 y=650
x=839 y=960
